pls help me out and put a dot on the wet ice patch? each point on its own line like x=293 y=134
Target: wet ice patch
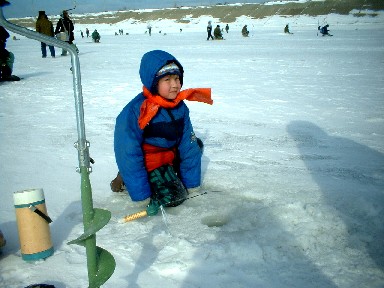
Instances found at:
x=215 y=220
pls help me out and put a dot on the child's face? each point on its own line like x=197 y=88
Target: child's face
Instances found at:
x=169 y=86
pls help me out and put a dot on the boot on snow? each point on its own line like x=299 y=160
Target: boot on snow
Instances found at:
x=6 y=74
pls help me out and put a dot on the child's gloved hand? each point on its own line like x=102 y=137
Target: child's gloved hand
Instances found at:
x=194 y=190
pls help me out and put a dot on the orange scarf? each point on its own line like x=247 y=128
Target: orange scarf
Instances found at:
x=152 y=103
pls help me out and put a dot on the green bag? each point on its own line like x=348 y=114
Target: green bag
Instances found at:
x=167 y=189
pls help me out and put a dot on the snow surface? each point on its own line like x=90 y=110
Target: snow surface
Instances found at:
x=293 y=162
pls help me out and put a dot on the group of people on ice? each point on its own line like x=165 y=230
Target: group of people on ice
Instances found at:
x=218 y=31
x=63 y=31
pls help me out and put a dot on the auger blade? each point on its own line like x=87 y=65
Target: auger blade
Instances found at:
x=100 y=219
x=105 y=269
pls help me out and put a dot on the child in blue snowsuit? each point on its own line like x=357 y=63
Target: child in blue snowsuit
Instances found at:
x=156 y=150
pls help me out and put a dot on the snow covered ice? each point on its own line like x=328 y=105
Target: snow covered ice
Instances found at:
x=293 y=161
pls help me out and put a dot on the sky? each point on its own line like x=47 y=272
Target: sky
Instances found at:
x=292 y=166
x=28 y=8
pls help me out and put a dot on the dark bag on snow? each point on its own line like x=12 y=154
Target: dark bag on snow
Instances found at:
x=167 y=189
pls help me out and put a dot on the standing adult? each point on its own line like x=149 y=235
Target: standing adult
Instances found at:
x=44 y=26
x=65 y=25
x=87 y=32
x=209 y=30
x=226 y=28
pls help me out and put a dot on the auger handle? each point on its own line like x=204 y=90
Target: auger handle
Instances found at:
x=134 y=216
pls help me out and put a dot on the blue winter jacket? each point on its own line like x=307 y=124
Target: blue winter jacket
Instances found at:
x=160 y=132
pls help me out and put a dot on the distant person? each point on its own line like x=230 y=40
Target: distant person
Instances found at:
x=217 y=33
x=44 y=26
x=149 y=27
x=87 y=32
x=226 y=28
x=324 y=30
x=6 y=58
x=245 y=31
x=209 y=30
x=82 y=34
x=65 y=25
x=96 y=36
x=2 y=240
x=286 y=29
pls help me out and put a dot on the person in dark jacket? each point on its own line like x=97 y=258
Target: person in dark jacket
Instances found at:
x=217 y=33
x=286 y=29
x=2 y=241
x=96 y=36
x=44 y=26
x=65 y=25
x=7 y=58
x=156 y=149
x=245 y=31
x=324 y=30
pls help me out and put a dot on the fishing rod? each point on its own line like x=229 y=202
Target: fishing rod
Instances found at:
x=144 y=213
x=74 y=2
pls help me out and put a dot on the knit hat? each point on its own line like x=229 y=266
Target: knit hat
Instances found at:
x=41 y=13
x=168 y=69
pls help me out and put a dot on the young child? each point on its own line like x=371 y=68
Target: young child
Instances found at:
x=156 y=150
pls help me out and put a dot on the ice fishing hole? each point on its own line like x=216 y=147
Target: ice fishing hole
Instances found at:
x=215 y=220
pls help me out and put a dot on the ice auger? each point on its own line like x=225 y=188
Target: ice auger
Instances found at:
x=100 y=262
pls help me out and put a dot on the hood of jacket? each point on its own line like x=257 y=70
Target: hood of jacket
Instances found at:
x=151 y=63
